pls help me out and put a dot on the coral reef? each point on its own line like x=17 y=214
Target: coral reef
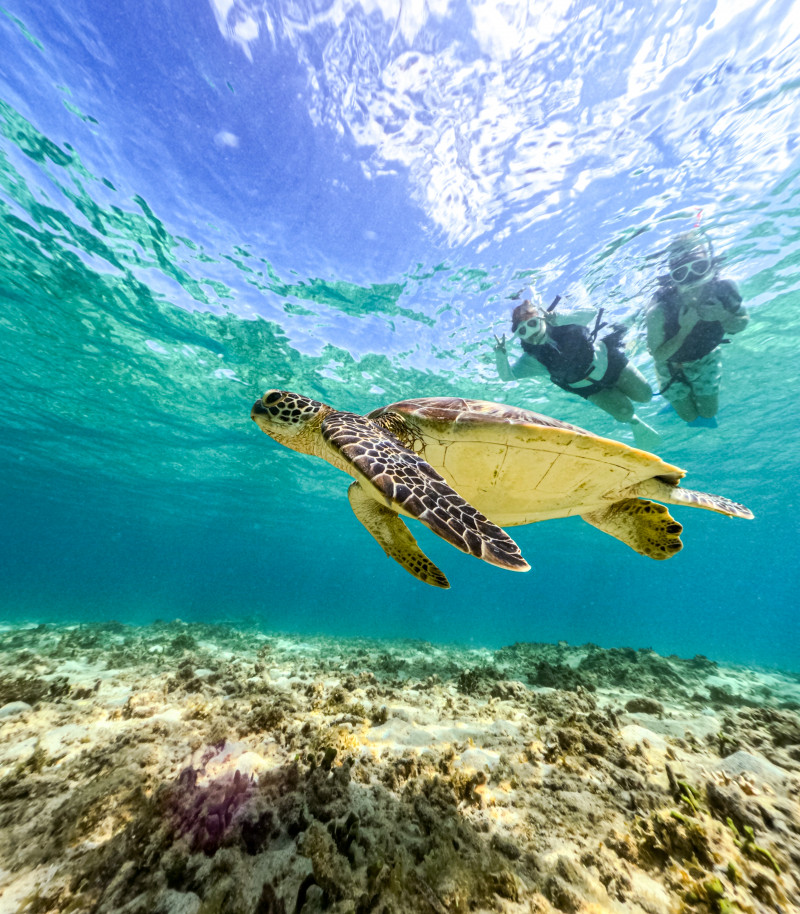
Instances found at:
x=193 y=769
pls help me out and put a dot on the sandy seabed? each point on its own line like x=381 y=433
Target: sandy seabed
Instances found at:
x=194 y=769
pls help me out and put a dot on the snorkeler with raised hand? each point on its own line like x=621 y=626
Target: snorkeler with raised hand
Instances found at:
x=690 y=315
x=579 y=360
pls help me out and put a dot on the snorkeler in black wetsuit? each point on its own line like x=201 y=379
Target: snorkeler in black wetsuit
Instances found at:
x=578 y=360
x=690 y=315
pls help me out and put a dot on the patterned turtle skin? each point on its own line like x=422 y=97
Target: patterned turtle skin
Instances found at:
x=467 y=468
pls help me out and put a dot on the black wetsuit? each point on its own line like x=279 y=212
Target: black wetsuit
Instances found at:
x=705 y=336
x=573 y=358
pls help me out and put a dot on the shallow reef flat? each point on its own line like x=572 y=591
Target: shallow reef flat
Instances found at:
x=195 y=769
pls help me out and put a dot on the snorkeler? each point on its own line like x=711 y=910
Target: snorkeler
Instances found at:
x=689 y=316
x=579 y=361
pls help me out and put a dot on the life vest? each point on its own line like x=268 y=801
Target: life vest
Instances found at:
x=581 y=364
x=705 y=336
x=570 y=358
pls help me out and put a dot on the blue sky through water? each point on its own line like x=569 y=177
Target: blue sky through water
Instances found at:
x=359 y=138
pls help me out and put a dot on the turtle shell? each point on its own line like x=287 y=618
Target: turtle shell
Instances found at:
x=517 y=466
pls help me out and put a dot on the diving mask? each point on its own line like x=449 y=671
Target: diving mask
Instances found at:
x=533 y=331
x=691 y=258
x=691 y=271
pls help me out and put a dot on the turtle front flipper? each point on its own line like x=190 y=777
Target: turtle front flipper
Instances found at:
x=394 y=537
x=403 y=482
x=645 y=526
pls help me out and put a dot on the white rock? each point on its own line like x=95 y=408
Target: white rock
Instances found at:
x=72 y=667
x=15 y=707
x=461 y=731
x=635 y=733
x=505 y=728
x=699 y=726
x=55 y=741
x=401 y=733
x=235 y=756
x=171 y=714
x=12 y=752
x=762 y=769
x=479 y=759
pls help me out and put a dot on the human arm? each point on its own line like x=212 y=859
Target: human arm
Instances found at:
x=732 y=322
x=728 y=307
x=721 y=302
x=526 y=365
x=661 y=348
x=736 y=322
x=582 y=317
x=501 y=360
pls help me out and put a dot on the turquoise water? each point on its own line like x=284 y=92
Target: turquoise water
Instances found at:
x=200 y=203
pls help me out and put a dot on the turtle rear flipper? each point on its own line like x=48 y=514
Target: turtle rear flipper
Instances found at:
x=403 y=482
x=394 y=537
x=668 y=491
x=645 y=526
x=718 y=503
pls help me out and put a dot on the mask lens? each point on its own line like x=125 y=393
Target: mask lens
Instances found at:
x=531 y=327
x=697 y=268
x=681 y=273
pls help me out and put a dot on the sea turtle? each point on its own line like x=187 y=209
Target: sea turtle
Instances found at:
x=463 y=467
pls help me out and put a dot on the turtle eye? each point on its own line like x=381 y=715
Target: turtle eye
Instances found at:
x=271 y=396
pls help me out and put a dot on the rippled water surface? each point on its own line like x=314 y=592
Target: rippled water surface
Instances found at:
x=200 y=202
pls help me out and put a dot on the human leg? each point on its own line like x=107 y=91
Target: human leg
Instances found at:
x=705 y=376
x=686 y=409
x=615 y=403
x=707 y=406
x=620 y=407
x=676 y=388
x=633 y=384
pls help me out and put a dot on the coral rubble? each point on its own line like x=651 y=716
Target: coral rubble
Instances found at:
x=194 y=769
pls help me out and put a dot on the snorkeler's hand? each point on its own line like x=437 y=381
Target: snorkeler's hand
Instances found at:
x=713 y=310
x=500 y=344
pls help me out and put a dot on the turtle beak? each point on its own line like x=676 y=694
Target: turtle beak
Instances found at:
x=258 y=410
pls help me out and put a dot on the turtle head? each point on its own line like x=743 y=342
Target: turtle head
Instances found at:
x=289 y=418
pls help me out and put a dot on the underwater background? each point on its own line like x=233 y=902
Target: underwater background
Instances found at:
x=202 y=201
